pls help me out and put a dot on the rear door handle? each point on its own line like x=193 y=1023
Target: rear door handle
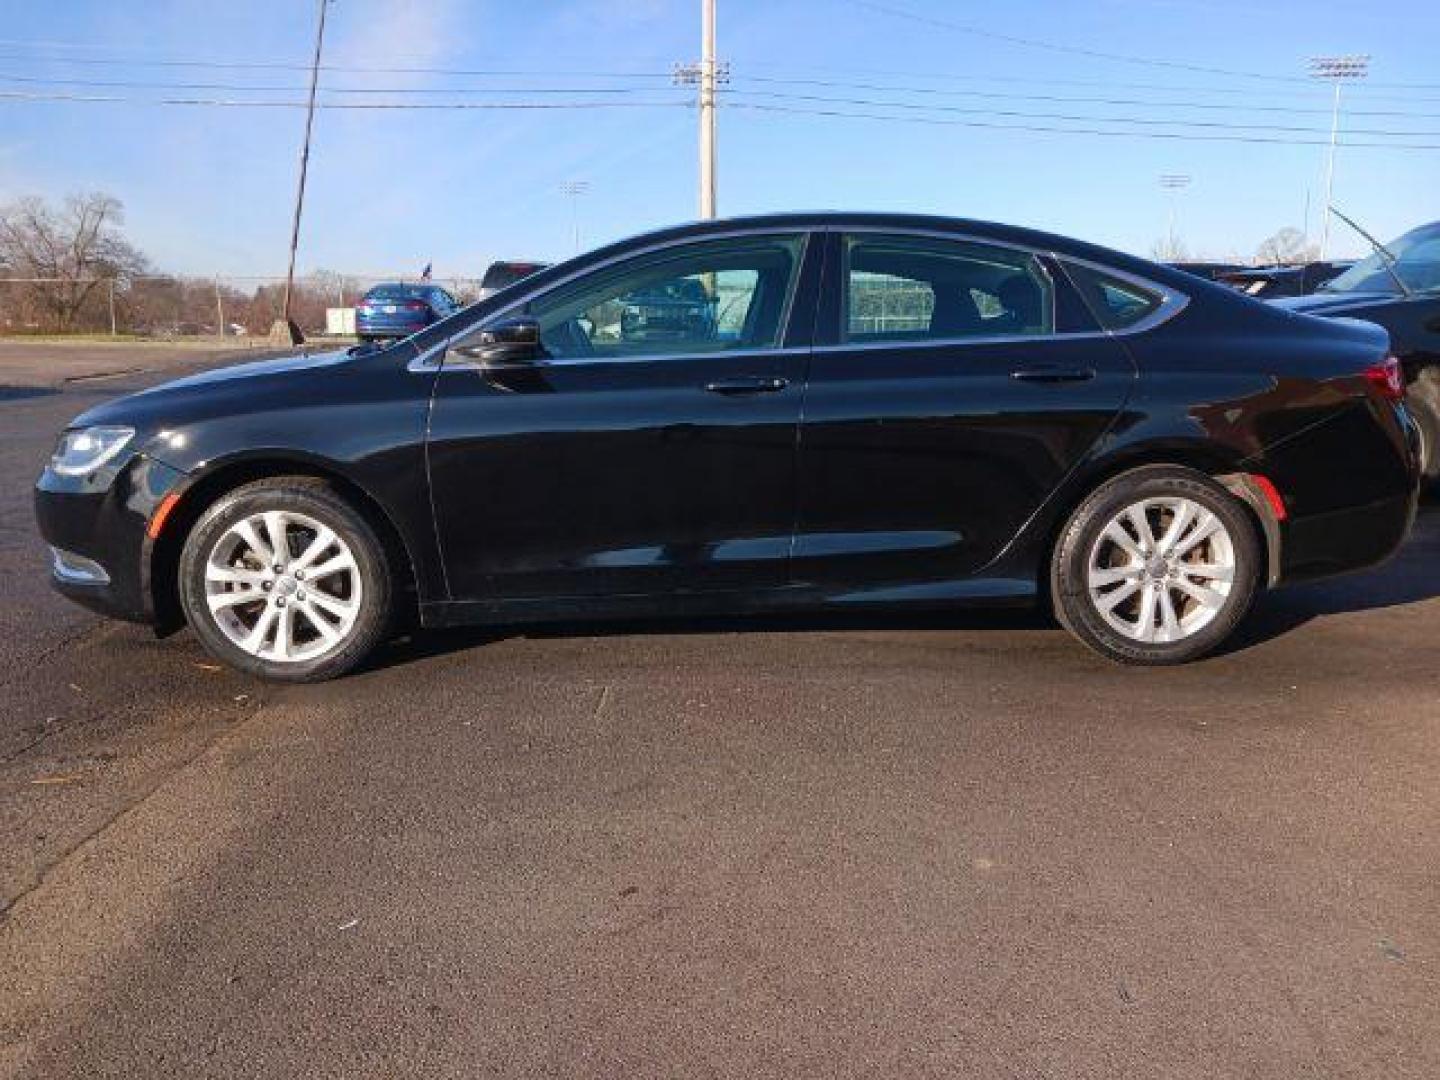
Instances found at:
x=1053 y=373
x=748 y=384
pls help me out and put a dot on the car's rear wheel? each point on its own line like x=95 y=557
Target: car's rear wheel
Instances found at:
x=1158 y=566
x=285 y=579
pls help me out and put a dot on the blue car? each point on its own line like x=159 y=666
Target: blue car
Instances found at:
x=395 y=310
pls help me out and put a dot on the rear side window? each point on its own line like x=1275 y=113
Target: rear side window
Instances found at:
x=1114 y=302
x=914 y=288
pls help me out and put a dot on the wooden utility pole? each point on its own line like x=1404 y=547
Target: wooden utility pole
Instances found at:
x=288 y=326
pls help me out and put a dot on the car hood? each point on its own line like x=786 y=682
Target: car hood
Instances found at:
x=221 y=390
x=1334 y=303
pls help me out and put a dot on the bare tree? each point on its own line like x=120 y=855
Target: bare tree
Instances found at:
x=77 y=246
x=1169 y=249
x=1287 y=247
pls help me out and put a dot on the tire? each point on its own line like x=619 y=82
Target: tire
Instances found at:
x=1092 y=565
x=1424 y=402
x=324 y=610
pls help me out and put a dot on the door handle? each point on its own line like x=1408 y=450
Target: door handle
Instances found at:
x=1053 y=373
x=748 y=384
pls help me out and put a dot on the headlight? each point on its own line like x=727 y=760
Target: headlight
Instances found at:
x=84 y=450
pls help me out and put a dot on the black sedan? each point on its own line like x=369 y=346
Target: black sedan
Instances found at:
x=893 y=410
x=1398 y=288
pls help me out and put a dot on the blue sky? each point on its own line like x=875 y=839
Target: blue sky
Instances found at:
x=208 y=190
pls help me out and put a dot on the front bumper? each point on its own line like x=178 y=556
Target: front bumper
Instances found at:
x=96 y=528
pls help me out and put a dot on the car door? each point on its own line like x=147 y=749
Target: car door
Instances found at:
x=942 y=406
x=637 y=454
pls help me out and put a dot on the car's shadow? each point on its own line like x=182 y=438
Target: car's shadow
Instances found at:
x=1412 y=576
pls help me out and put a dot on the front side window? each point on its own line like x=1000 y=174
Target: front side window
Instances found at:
x=908 y=288
x=710 y=297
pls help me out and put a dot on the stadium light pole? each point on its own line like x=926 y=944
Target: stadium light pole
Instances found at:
x=1335 y=70
x=1174 y=183
x=573 y=189
x=289 y=328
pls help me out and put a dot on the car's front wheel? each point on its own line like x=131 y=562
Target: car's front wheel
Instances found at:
x=1158 y=566
x=285 y=579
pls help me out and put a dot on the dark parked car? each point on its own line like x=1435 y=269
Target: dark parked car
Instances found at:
x=680 y=309
x=1272 y=282
x=396 y=310
x=909 y=411
x=1404 y=298
x=1210 y=271
x=501 y=275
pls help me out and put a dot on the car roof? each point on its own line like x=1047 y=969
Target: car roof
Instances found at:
x=839 y=220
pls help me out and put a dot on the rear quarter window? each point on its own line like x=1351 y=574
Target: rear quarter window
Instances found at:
x=1116 y=303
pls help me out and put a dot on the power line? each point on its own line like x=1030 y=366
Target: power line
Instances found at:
x=1051 y=129
x=1072 y=50
x=764 y=80
x=1178 y=129
x=230 y=103
x=988 y=95
x=128 y=84
x=1075 y=117
x=1098 y=54
x=279 y=65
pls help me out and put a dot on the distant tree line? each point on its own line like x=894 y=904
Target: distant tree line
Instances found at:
x=70 y=269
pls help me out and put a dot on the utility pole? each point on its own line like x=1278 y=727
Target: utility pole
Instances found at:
x=289 y=328
x=1334 y=69
x=707 y=75
x=574 y=189
x=707 y=109
x=1174 y=183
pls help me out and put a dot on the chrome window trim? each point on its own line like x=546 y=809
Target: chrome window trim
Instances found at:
x=433 y=358
x=1172 y=301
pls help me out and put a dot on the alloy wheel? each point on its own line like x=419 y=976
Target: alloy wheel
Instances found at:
x=283 y=586
x=1161 y=569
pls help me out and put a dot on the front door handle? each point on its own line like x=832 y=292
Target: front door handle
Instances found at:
x=1053 y=373
x=748 y=384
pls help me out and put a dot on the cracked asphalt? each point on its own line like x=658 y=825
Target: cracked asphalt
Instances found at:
x=921 y=846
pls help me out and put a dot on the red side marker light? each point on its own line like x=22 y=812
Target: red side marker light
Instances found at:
x=1387 y=378
x=157 y=519
x=1272 y=496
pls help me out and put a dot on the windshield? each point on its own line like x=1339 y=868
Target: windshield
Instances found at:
x=398 y=292
x=1417 y=264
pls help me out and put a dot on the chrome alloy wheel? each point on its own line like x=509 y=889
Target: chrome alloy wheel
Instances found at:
x=1161 y=569
x=283 y=586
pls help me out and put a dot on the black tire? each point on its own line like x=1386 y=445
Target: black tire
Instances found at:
x=1424 y=402
x=313 y=499
x=1069 y=566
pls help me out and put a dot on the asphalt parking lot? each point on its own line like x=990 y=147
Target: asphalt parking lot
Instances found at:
x=942 y=845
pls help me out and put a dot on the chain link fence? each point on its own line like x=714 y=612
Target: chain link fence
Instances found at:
x=172 y=306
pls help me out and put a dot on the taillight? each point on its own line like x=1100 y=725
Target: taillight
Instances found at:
x=1387 y=378
x=414 y=305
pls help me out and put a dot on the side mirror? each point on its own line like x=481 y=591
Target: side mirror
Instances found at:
x=512 y=342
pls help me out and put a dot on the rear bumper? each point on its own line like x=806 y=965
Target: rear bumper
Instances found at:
x=1357 y=507
x=1340 y=541
x=95 y=526
x=390 y=326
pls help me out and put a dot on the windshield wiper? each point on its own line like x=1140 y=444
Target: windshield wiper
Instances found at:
x=1386 y=259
